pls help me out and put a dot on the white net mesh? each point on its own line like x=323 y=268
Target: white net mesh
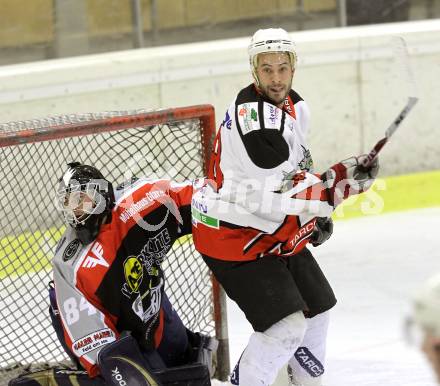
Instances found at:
x=30 y=226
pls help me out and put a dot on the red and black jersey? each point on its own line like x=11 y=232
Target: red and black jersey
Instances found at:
x=116 y=283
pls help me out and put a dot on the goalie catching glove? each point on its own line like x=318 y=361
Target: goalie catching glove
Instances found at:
x=348 y=178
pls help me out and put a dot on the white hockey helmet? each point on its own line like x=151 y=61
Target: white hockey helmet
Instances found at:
x=427 y=306
x=271 y=40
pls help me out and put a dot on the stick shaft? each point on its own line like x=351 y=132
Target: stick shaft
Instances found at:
x=401 y=54
x=389 y=132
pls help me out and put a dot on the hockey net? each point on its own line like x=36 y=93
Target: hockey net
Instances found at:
x=172 y=143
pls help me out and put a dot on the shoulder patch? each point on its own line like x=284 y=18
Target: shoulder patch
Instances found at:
x=272 y=116
x=248 y=117
x=227 y=122
x=71 y=250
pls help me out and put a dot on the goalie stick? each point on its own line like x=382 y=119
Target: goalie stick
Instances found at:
x=401 y=53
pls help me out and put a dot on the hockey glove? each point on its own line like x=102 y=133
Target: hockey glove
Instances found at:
x=348 y=178
x=322 y=231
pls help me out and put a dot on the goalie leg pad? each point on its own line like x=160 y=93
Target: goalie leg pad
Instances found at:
x=194 y=374
x=202 y=349
x=122 y=364
x=56 y=377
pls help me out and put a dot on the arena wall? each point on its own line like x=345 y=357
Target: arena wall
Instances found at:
x=348 y=76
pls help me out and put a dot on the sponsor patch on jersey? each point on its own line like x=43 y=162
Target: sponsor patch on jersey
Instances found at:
x=227 y=122
x=133 y=273
x=309 y=362
x=95 y=257
x=199 y=205
x=302 y=234
x=248 y=117
x=272 y=116
x=138 y=206
x=147 y=304
x=93 y=341
x=204 y=218
x=156 y=249
x=71 y=250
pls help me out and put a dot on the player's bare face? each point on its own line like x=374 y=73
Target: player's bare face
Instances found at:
x=275 y=74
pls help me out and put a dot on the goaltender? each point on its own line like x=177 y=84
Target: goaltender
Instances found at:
x=108 y=305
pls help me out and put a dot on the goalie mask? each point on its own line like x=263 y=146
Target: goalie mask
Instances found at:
x=85 y=198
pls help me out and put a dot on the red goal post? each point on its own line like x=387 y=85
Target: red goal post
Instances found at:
x=174 y=143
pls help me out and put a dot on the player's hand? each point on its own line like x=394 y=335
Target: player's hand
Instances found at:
x=348 y=178
x=322 y=232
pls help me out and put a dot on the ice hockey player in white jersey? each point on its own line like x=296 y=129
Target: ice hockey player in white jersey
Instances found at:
x=263 y=205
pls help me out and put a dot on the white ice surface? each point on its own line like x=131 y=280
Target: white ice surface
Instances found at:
x=374 y=264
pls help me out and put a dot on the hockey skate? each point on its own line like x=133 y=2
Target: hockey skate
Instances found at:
x=216 y=382
x=293 y=380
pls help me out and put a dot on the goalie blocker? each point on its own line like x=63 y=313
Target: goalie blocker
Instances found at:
x=122 y=364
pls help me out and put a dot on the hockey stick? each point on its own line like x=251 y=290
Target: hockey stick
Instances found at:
x=401 y=53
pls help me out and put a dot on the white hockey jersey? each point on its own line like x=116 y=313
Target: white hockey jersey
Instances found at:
x=258 y=151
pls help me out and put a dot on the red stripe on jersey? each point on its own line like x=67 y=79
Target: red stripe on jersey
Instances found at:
x=92 y=369
x=214 y=172
x=289 y=106
x=224 y=243
x=230 y=244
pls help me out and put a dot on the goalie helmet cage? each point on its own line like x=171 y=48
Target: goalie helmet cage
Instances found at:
x=173 y=143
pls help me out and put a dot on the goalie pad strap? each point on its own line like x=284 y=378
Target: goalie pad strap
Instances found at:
x=56 y=377
x=189 y=375
x=202 y=349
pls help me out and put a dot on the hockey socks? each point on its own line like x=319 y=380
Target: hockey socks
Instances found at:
x=268 y=351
